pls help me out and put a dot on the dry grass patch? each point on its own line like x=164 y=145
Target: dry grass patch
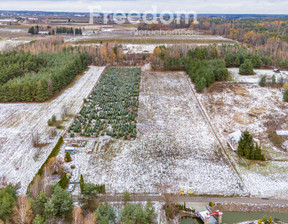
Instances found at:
x=258 y=111
x=242 y=118
x=241 y=91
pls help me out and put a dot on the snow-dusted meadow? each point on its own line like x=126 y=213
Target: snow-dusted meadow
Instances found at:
x=247 y=106
x=259 y=73
x=19 y=160
x=9 y=44
x=174 y=149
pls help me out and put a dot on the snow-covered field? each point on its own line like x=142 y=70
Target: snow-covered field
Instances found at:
x=10 y=44
x=19 y=160
x=259 y=73
x=246 y=106
x=174 y=149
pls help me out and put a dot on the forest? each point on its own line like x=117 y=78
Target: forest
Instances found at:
x=205 y=65
x=27 y=77
x=266 y=35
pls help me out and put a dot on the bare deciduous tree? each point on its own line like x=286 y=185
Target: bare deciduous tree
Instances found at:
x=64 y=112
x=90 y=219
x=77 y=215
x=22 y=211
x=35 y=138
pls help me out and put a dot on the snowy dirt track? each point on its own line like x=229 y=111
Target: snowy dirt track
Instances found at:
x=19 y=160
x=174 y=150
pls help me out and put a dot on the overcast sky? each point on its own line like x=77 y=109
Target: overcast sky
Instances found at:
x=200 y=6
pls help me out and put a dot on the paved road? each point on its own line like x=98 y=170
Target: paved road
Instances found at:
x=179 y=199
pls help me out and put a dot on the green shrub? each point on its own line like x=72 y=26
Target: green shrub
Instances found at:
x=7 y=200
x=135 y=213
x=54 y=119
x=105 y=214
x=63 y=182
x=286 y=96
x=248 y=149
x=246 y=68
x=126 y=196
x=262 y=82
x=67 y=158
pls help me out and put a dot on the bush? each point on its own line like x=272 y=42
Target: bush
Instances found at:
x=38 y=220
x=38 y=205
x=247 y=148
x=105 y=214
x=93 y=189
x=262 y=82
x=274 y=79
x=246 y=68
x=135 y=213
x=7 y=201
x=54 y=119
x=126 y=196
x=63 y=182
x=286 y=96
x=60 y=205
x=67 y=158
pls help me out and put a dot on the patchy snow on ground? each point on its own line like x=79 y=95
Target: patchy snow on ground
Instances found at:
x=259 y=73
x=174 y=149
x=244 y=106
x=19 y=160
x=268 y=180
x=139 y=48
x=6 y=45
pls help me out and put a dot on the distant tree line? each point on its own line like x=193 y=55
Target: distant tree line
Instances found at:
x=59 y=30
x=68 y=30
x=37 y=77
x=268 y=35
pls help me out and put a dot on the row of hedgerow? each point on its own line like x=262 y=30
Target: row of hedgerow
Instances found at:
x=27 y=77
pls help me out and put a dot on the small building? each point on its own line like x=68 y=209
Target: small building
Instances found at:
x=211 y=217
x=70 y=150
